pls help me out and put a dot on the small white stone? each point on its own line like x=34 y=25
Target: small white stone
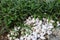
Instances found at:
x=43 y=30
x=12 y=33
x=21 y=38
x=16 y=39
x=38 y=35
x=49 y=24
x=18 y=28
x=10 y=38
x=8 y=35
x=50 y=27
x=40 y=22
x=37 y=19
x=16 y=34
x=42 y=34
x=29 y=18
x=58 y=24
x=33 y=20
x=13 y=37
x=34 y=39
x=52 y=21
x=44 y=27
x=49 y=32
x=44 y=19
x=42 y=37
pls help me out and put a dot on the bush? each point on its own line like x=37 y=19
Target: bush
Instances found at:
x=14 y=12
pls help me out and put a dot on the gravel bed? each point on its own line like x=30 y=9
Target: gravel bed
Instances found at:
x=40 y=30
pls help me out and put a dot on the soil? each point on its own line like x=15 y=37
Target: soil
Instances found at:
x=4 y=36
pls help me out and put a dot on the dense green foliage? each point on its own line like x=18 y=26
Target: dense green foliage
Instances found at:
x=14 y=12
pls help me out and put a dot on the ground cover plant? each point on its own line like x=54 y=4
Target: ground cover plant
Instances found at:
x=15 y=12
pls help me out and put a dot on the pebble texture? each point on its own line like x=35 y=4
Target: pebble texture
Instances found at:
x=55 y=35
